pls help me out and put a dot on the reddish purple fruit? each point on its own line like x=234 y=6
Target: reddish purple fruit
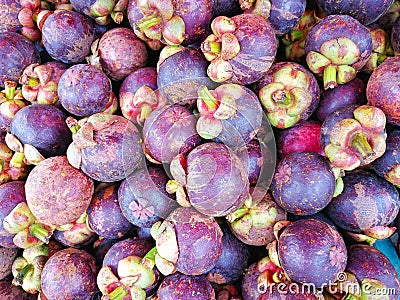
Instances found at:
x=187 y=242
x=170 y=22
x=101 y=11
x=121 y=52
x=215 y=179
x=9 y=16
x=104 y=214
x=57 y=193
x=143 y=198
x=365 y=11
x=8 y=291
x=11 y=194
x=346 y=94
x=180 y=74
x=373 y=268
x=67 y=36
x=337 y=47
x=43 y=127
x=84 y=90
x=303 y=183
x=169 y=131
x=7 y=256
x=367 y=203
x=254 y=222
x=311 y=251
x=59 y=282
x=241 y=49
x=16 y=52
x=105 y=147
x=233 y=260
x=183 y=287
x=382 y=89
x=305 y=136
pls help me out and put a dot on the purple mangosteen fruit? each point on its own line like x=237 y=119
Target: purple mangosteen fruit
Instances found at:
x=382 y=89
x=9 y=16
x=337 y=47
x=105 y=147
x=11 y=101
x=381 y=48
x=171 y=22
x=119 y=53
x=187 y=242
x=11 y=194
x=311 y=251
x=387 y=166
x=60 y=283
x=304 y=136
x=67 y=36
x=350 y=93
x=76 y=235
x=8 y=291
x=254 y=222
x=227 y=8
x=143 y=197
x=126 y=272
x=7 y=256
x=289 y=93
x=57 y=193
x=373 y=271
x=102 y=11
x=84 y=90
x=304 y=183
x=138 y=95
x=233 y=260
x=183 y=287
x=354 y=136
x=282 y=14
x=368 y=204
x=16 y=53
x=105 y=216
x=365 y=11
x=42 y=127
x=180 y=73
x=168 y=131
x=212 y=179
x=241 y=49
x=40 y=82
x=231 y=114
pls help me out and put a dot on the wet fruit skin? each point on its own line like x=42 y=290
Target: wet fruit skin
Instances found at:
x=366 y=11
x=84 y=90
x=16 y=52
x=43 y=191
x=42 y=126
x=143 y=198
x=121 y=53
x=367 y=262
x=105 y=216
x=303 y=183
x=346 y=94
x=382 y=89
x=11 y=194
x=67 y=36
x=311 y=251
x=366 y=201
x=305 y=136
x=183 y=287
x=69 y=274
